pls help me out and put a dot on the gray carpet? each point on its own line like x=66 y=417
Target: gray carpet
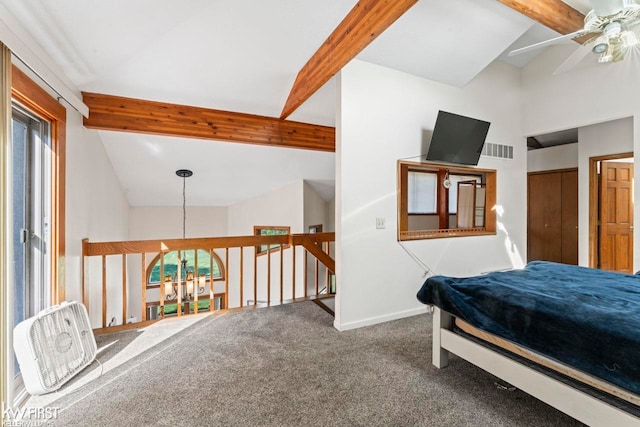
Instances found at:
x=287 y=366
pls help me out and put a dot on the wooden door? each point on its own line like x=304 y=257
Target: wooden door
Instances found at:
x=616 y=217
x=544 y=229
x=570 y=217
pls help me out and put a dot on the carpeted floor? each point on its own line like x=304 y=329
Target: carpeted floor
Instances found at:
x=287 y=366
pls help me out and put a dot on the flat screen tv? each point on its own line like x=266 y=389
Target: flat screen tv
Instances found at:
x=457 y=139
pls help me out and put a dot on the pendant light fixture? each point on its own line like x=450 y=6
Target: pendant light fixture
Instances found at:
x=184 y=174
x=186 y=277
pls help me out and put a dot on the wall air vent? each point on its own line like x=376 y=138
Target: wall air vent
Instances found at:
x=497 y=150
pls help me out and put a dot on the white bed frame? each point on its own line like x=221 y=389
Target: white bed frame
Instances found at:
x=571 y=401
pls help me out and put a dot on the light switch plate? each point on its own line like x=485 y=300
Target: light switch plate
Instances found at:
x=380 y=223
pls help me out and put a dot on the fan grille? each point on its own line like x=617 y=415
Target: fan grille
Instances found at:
x=59 y=341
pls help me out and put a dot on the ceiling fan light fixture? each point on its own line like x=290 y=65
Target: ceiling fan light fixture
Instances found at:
x=612 y=29
x=601 y=45
x=629 y=39
x=607 y=56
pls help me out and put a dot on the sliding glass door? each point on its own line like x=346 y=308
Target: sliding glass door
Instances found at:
x=31 y=148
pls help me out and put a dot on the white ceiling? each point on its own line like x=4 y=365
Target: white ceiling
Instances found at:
x=223 y=173
x=243 y=55
x=448 y=41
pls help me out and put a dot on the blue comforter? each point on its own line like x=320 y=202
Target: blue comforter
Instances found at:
x=588 y=319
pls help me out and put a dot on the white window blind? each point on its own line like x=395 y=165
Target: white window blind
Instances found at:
x=422 y=192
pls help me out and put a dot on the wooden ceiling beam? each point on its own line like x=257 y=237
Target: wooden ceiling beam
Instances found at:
x=554 y=14
x=115 y=113
x=366 y=21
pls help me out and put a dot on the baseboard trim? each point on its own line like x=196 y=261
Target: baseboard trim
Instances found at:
x=380 y=319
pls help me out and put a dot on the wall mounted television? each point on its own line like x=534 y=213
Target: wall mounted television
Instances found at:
x=457 y=139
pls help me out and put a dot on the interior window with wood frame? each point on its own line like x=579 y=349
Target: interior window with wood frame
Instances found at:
x=436 y=201
x=270 y=230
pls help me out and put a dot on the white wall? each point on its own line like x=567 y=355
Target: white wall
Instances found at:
x=389 y=111
x=582 y=97
x=315 y=209
x=315 y=212
x=331 y=215
x=612 y=137
x=551 y=158
x=282 y=207
x=149 y=223
x=96 y=208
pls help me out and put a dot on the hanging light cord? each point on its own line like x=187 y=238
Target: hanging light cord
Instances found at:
x=184 y=207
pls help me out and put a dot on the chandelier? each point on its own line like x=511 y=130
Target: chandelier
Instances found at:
x=183 y=281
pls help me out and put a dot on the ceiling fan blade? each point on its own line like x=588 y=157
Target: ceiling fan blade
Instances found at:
x=606 y=7
x=548 y=42
x=576 y=57
x=633 y=26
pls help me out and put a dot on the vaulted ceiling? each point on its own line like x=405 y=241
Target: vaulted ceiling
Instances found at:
x=243 y=56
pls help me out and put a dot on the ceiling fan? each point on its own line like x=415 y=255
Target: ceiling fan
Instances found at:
x=614 y=26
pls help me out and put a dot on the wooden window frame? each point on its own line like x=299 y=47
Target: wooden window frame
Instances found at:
x=317 y=228
x=256 y=232
x=404 y=167
x=29 y=94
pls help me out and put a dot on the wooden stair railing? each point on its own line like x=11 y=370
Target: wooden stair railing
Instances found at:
x=318 y=245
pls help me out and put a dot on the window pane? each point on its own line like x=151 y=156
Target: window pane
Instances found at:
x=171 y=264
x=422 y=194
x=453 y=191
x=276 y=231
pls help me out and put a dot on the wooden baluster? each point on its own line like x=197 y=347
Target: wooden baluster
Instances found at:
x=85 y=294
x=293 y=275
x=179 y=307
x=124 y=289
x=316 y=274
x=325 y=246
x=104 y=291
x=143 y=297
x=241 y=276
x=281 y=275
x=306 y=265
x=226 y=278
x=196 y=283
x=255 y=275
x=161 y=314
x=269 y=275
x=211 y=294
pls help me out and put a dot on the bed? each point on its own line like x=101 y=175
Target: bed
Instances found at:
x=567 y=335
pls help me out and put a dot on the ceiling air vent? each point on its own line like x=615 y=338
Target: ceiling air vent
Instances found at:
x=497 y=150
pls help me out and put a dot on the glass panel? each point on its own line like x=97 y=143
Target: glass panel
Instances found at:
x=19 y=140
x=31 y=210
x=40 y=214
x=271 y=232
x=171 y=264
x=453 y=190
x=422 y=196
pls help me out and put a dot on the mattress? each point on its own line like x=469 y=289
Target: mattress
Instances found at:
x=585 y=318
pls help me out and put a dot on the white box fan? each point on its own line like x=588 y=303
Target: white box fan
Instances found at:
x=53 y=346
